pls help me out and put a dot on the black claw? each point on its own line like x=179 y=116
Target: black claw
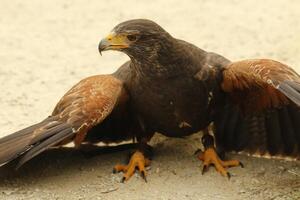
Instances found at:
x=241 y=164
x=228 y=175
x=123 y=180
x=197 y=151
x=204 y=169
x=144 y=176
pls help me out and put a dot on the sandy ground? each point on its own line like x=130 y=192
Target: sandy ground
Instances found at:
x=47 y=46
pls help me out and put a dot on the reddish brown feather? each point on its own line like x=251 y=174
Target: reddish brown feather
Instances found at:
x=253 y=83
x=89 y=102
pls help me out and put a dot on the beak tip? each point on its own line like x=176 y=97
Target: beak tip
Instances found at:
x=100 y=48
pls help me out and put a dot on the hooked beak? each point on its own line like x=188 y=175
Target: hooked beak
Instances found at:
x=113 y=42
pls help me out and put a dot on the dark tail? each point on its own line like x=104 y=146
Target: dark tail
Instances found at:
x=31 y=141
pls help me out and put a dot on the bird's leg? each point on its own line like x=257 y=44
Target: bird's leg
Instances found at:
x=210 y=156
x=138 y=161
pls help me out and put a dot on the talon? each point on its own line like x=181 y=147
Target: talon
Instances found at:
x=123 y=180
x=210 y=156
x=144 y=176
x=204 y=169
x=241 y=164
x=197 y=151
x=228 y=175
x=119 y=168
x=137 y=161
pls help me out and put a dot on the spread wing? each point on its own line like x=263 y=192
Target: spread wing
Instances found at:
x=90 y=101
x=260 y=112
x=86 y=105
x=259 y=84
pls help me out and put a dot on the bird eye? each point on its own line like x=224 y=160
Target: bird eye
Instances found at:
x=131 y=38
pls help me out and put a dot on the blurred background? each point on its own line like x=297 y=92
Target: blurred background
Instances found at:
x=48 y=46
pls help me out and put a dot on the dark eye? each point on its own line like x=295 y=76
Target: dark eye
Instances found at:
x=131 y=38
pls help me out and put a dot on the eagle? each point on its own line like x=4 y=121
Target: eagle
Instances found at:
x=172 y=87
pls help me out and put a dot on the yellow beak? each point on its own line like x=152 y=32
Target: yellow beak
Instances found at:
x=113 y=42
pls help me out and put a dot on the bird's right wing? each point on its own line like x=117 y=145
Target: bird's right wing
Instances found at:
x=86 y=105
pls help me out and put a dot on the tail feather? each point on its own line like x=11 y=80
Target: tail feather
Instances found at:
x=294 y=85
x=220 y=120
x=10 y=151
x=295 y=118
x=290 y=89
x=48 y=133
x=287 y=131
x=27 y=141
x=256 y=134
x=241 y=140
x=273 y=132
x=230 y=128
x=15 y=144
x=20 y=133
x=49 y=142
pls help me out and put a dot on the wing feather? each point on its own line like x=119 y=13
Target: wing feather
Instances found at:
x=86 y=105
x=261 y=83
x=267 y=94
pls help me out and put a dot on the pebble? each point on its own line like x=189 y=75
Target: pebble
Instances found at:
x=242 y=191
x=255 y=181
x=157 y=170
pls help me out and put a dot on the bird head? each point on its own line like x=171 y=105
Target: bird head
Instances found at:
x=136 y=38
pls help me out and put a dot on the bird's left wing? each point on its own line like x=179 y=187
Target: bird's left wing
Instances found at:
x=261 y=83
x=260 y=112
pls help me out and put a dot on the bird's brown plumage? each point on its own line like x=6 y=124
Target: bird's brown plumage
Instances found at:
x=261 y=111
x=173 y=87
x=87 y=104
x=257 y=84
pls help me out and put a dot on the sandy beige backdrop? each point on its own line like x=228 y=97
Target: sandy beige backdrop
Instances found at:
x=47 y=46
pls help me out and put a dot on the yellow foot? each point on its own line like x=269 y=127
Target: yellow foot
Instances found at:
x=137 y=161
x=209 y=156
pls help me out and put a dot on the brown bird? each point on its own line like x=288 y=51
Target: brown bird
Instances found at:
x=175 y=88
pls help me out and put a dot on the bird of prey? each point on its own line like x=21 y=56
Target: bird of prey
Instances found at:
x=175 y=88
